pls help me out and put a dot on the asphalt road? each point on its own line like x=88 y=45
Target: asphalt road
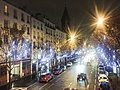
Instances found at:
x=69 y=79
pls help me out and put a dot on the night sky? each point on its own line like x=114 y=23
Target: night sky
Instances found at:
x=79 y=10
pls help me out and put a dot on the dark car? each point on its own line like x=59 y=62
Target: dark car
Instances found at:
x=57 y=71
x=104 y=86
x=81 y=76
x=46 y=77
x=63 y=67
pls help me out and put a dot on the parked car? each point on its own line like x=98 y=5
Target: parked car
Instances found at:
x=46 y=77
x=69 y=64
x=81 y=77
x=63 y=67
x=101 y=68
x=103 y=78
x=104 y=86
x=100 y=65
x=57 y=71
x=101 y=72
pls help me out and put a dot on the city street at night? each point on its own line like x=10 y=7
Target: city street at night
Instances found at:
x=59 y=44
x=69 y=79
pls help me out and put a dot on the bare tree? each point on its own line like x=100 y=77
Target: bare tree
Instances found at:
x=8 y=35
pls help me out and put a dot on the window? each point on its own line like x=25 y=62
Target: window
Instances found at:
x=34 y=35
x=6 y=24
x=23 y=27
x=15 y=25
x=34 y=45
x=28 y=30
x=22 y=17
x=6 y=10
x=38 y=35
x=41 y=27
x=3 y=70
x=34 y=24
x=46 y=31
x=28 y=19
x=38 y=25
x=15 y=14
x=5 y=39
x=38 y=45
x=42 y=39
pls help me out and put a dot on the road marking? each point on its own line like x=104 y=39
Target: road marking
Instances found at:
x=42 y=86
x=95 y=81
x=88 y=86
x=52 y=79
x=59 y=75
x=49 y=86
x=32 y=85
x=64 y=71
x=94 y=87
x=57 y=79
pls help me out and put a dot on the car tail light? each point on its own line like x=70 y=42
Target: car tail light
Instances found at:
x=45 y=78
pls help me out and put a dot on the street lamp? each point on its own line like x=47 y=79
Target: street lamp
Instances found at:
x=72 y=40
x=72 y=37
x=100 y=21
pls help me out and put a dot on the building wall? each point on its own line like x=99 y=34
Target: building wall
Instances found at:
x=36 y=31
x=9 y=20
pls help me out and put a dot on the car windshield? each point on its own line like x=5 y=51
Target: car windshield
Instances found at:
x=43 y=75
x=104 y=78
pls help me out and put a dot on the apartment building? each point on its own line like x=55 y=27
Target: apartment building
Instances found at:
x=23 y=40
x=38 y=38
x=15 y=33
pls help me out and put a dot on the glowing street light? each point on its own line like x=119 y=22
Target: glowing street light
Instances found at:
x=72 y=38
x=100 y=21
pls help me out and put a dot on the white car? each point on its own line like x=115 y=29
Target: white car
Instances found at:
x=102 y=78
x=69 y=64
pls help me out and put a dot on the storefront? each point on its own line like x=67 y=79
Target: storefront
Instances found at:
x=26 y=67
x=15 y=71
x=3 y=74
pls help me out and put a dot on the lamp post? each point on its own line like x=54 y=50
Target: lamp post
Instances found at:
x=72 y=41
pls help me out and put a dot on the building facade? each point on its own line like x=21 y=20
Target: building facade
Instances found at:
x=25 y=42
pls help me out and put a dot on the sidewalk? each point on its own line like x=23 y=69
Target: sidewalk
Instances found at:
x=115 y=83
x=25 y=81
